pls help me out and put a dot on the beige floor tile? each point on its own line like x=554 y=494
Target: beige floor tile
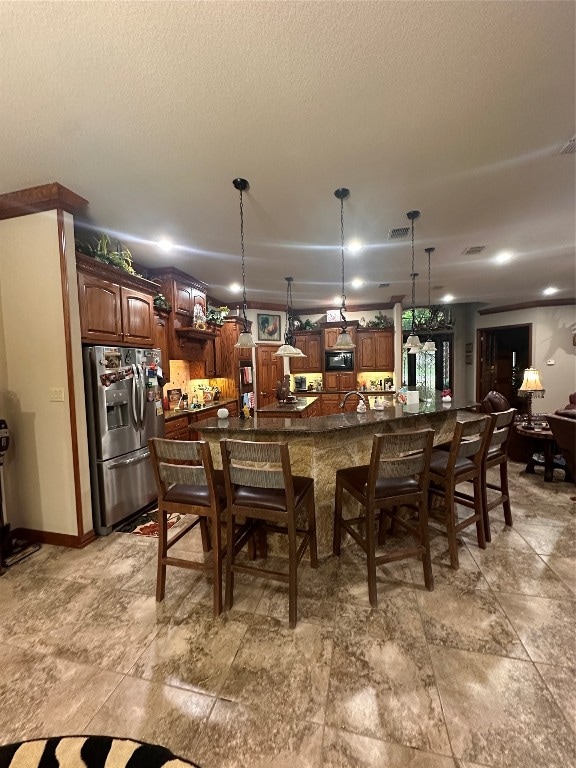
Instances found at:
x=471 y=621
x=386 y=689
x=237 y=736
x=348 y=750
x=193 y=652
x=562 y=683
x=282 y=670
x=520 y=573
x=564 y=568
x=45 y=696
x=84 y=622
x=550 y=540
x=158 y=714
x=499 y=712
x=547 y=628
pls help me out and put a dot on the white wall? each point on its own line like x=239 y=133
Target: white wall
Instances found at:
x=552 y=331
x=40 y=489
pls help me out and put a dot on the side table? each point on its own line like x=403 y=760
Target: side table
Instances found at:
x=542 y=441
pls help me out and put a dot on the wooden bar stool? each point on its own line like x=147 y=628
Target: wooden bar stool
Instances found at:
x=260 y=487
x=396 y=477
x=188 y=484
x=496 y=455
x=461 y=464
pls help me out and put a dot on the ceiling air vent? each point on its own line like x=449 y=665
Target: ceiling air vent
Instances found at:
x=384 y=285
x=473 y=250
x=570 y=148
x=394 y=234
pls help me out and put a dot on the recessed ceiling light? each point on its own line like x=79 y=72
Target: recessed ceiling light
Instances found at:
x=356 y=283
x=503 y=257
x=550 y=290
x=354 y=246
x=165 y=244
x=447 y=298
x=235 y=288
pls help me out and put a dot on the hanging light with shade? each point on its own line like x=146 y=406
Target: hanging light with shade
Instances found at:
x=344 y=340
x=413 y=344
x=245 y=339
x=429 y=345
x=288 y=349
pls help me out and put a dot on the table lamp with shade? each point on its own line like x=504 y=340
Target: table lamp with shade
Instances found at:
x=531 y=387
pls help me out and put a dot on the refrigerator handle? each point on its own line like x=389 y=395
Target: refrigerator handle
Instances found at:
x=135 y=396
x=142 y=397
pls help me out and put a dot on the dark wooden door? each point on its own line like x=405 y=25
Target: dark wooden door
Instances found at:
x=269 y=370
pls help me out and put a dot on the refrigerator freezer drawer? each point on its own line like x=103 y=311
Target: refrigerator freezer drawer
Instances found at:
x=126 y=485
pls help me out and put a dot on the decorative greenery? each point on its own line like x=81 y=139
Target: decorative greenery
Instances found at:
x=308 y=325
x=216 y=315
x=99 y=246
x=161 y=302
x=380 y=321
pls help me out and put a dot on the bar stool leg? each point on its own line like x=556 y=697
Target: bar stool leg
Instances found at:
x=292 y=575
x=425 y=542
x=229 y=597
x=337 y=539
x=162 y=551
x=479 y=509
x=450 y=510
x=485 y=515
x=217 y=565
x=505 y=492
x=371 y=555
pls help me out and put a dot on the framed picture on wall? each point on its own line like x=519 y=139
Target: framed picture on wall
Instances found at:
x=268 y=327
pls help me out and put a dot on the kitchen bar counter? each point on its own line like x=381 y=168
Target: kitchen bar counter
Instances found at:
x=320 y=445
x=169 y=415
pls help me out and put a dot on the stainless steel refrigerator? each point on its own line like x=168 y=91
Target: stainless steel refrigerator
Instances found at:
x=124 y=409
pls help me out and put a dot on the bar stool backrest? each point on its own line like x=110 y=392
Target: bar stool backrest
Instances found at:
x=469 y=441
x=400 y=454
x=501 y=430
x=182 y=462
x=258 y=465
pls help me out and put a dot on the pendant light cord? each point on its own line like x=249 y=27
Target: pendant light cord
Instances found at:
x=245 y=319
x=413 y=276
x=343 y=295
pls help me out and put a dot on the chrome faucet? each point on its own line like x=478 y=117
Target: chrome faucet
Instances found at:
x=355 y=392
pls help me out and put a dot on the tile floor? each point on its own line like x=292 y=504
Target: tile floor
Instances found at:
x=479 y=672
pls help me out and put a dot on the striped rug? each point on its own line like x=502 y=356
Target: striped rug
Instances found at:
x=88 y=752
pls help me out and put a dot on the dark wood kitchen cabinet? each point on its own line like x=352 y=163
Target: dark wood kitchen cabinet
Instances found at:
x=186 y=340
x=375 y=350
x=339 y=382
x=115 y=308
x=311 y=345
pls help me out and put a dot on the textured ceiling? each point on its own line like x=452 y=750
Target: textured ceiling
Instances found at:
x=459 y=109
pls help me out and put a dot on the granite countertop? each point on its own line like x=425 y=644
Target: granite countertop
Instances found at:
x=169 y=415
x=300 y=404
x=320 y=424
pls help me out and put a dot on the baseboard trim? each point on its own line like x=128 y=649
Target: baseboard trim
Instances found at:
x=58 y=539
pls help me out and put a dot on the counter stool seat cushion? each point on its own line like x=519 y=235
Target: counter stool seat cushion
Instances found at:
x=439 y=464
x=357 y=478
x=196 y=495
x=271 y=498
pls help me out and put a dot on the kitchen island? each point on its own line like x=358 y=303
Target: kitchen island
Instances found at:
x=323 y=444
x=300 y=407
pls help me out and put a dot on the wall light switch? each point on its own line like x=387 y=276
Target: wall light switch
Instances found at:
x=56 y=395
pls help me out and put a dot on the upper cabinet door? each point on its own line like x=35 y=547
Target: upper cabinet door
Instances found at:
x=100 y=309
x=384 y=350
x=137 y=316
x=183 y=299
x=366 y=352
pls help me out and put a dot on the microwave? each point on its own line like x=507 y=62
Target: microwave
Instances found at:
x=338 y=361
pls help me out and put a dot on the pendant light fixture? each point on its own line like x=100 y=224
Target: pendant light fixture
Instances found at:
x=429 y=345
x=288 y=349
x=413 y=344
x=344 y=340
x=245 y=339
